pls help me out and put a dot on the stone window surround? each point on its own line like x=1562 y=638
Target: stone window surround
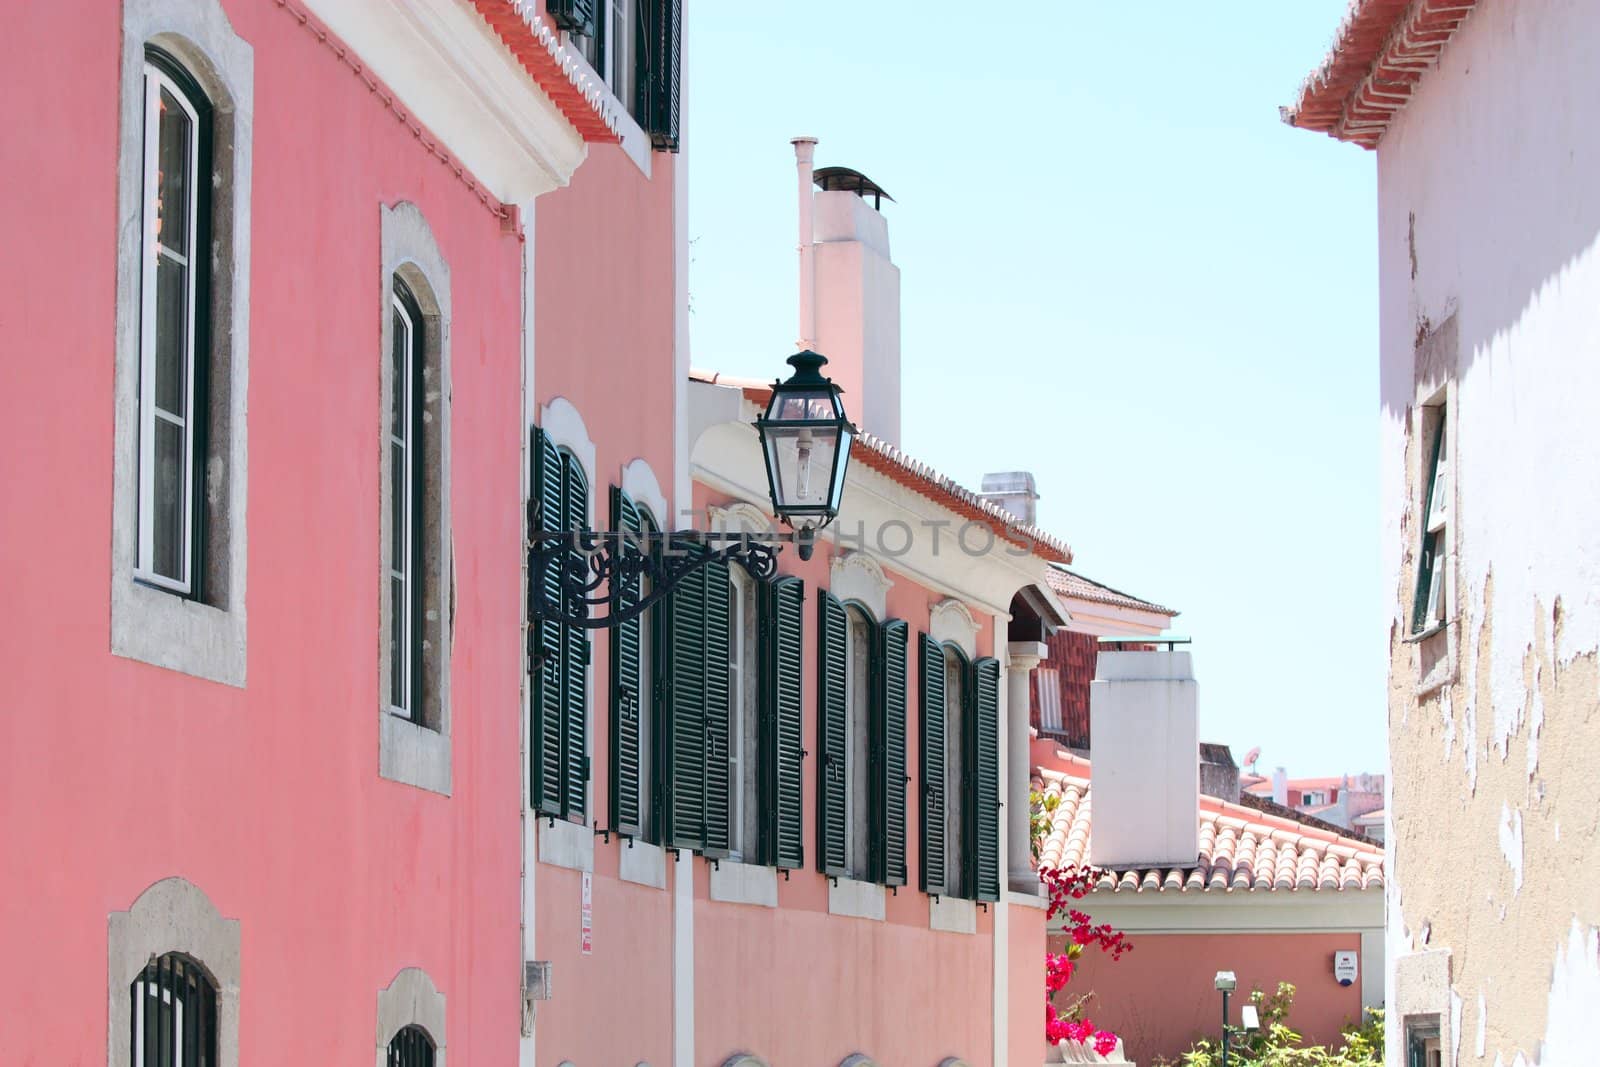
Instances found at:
x=856 y=899
x=950 y=622
x=1436 y=651
x=857 y=576
x=172 y=915
x=733 y=882
x=418 y=754
x=411 y=999
x=206 y=639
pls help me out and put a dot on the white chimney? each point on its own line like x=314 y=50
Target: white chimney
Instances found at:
x=857 y=299
x=1144 y=760
x=1280 y=786
x=1015 y=491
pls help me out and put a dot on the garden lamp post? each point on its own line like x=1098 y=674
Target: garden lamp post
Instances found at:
x=1226 y=983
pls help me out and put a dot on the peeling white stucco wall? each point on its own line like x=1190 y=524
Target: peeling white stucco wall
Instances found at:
x=1489 y=236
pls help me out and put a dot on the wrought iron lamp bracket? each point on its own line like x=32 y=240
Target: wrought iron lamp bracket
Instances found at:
x=591 y=579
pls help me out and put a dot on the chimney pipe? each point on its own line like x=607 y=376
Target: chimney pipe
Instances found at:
x=804 y=147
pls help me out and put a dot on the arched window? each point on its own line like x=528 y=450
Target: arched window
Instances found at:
x=411 y=1047
x=414 y=525
x=174 y=1014
x=862 y=736
x=960 y=771
x=407 y=482
x=179 y=467
x=173 y=327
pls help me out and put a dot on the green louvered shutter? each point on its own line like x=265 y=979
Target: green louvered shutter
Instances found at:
x=627 y=687
x=685 y=729
x=986 y=802
x=782 y=815
x=576 y=16
x=832 y=735
x=718 y=809
x=661 y=72
x=574 y=660
x=1428 y=559
x=889 y=738
x=931 y=695
x=545 y=513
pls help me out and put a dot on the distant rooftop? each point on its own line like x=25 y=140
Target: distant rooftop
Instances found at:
x=1242 y=846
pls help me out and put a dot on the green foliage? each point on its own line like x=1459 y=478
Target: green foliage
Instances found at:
x=1276 y=1044
x=1041 y=813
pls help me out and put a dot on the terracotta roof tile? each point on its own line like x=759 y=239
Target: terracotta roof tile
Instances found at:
x=1240 y=848
x=1072 y=584
x=537 y=45
x=1381 y=51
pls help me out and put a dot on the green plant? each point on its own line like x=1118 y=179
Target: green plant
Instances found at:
x=1041 y=815
x=1276 y=1044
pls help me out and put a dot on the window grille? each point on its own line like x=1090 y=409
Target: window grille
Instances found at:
x=411 y=1047
x=174 y=1015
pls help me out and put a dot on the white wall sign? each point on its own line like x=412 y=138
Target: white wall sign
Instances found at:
x=1344 y=967
x=588 y=913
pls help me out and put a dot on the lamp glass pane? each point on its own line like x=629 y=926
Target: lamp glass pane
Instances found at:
x=803 y=405
x=841 y=461
x=800 y=461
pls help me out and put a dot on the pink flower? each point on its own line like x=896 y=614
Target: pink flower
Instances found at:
x=1105 y=1042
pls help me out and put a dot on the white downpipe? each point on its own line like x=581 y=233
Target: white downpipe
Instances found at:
x=804 y=148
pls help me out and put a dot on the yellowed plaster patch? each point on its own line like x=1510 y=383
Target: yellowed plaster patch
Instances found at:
x=1455 y=809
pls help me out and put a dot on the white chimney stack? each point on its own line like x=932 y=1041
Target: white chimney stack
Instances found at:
x=850 y=290
x=1144 y=760
x=1280 y=786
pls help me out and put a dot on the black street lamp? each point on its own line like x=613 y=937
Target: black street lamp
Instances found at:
x=805 y=440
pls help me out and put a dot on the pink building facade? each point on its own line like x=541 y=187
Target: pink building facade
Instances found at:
x=320 y=287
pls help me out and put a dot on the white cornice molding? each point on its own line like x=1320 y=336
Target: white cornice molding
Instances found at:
x=1239 y=911
x=460 y=81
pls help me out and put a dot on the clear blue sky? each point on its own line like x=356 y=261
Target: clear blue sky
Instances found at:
x=1120 y=271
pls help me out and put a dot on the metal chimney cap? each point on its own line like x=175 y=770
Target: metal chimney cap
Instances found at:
x=843 y=179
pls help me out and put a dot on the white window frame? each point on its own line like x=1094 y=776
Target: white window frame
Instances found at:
x=400 y=554
x=621 y=25
x=151 y=250
x=1437 y=522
